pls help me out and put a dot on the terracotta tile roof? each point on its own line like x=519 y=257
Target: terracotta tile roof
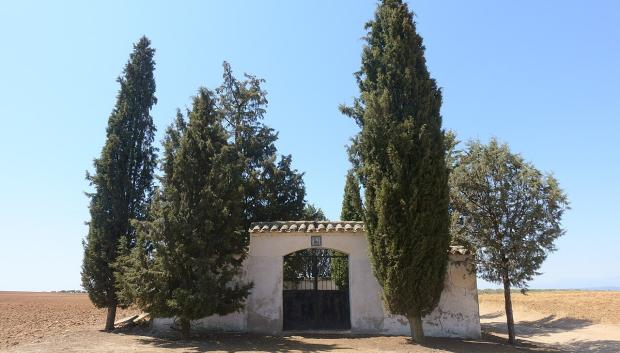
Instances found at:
x=307 y=227
x=324 y=227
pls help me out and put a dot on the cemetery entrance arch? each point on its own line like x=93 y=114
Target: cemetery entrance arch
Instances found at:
x=315 y=291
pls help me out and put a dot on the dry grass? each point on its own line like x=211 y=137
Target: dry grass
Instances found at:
x=595 y=306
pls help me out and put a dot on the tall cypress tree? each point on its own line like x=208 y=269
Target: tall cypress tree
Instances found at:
x=123 y=178
x=273 y=189
x=402 y=155
x=351 y=202
x=352 y=210
x=191 y=250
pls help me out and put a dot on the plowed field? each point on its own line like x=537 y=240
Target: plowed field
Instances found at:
x=31 y=317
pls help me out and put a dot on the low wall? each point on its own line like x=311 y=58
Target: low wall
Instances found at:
x=455 y=316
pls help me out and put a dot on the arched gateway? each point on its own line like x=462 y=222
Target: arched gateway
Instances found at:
x=297 y=271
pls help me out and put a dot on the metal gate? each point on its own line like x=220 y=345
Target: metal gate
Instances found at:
x=316 y=290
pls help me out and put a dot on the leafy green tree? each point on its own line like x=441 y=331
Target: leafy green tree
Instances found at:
x=351 y=202
x=273 y=189
x=123 y=179
x=190 y=252
x=509 y=211
x=402 y=157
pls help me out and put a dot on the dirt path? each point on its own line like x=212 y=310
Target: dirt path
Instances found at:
x=575 y=335
x=137 y=340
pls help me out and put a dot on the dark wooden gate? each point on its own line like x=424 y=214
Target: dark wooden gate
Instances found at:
x=316 y=290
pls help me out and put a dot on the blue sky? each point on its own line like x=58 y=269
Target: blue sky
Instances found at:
x=541 y=75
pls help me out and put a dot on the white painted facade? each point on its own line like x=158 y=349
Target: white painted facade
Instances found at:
x=457 y=314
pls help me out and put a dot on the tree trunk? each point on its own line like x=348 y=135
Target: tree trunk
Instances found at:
x=109 y=322
x=509 y=317
x=417 y=332
x=185 y=327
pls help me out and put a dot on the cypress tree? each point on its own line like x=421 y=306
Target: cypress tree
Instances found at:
x=273 y=190
x=402 y=159
x=191 y=250
x=351 y=202
x=123 y=179
x=313 y=213
x=351 y=211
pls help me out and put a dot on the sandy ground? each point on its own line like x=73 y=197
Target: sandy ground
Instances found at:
x=595 y=306
x=572 y=321
x=137 y=340
x=62 y=323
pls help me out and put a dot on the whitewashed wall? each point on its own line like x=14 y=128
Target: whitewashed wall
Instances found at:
x=456 y=315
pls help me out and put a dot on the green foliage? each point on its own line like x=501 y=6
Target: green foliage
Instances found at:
x=312 y=213
x=352 y=209
x=452 y=152
x=297 y=260
x=508 y=210
x=273 y=189
x=190 y=251
x=402 y=164
x=340 y=270
x=123 y=177
x=317 y=262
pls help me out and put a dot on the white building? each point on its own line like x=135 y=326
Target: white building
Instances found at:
x=272 y=307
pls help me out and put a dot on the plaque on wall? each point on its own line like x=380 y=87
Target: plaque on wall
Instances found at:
x=315 y=240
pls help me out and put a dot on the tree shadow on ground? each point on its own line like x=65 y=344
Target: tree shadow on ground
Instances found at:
x=550 y=325
x=239 y=342
x=487 y=344
x=204 y=341
x=600 y=346
x=542 y=327
x=494 y=315
x=233 y=342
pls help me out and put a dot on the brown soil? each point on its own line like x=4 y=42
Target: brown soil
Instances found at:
x=137 y=340
x=33 y=317
x=61 y=323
